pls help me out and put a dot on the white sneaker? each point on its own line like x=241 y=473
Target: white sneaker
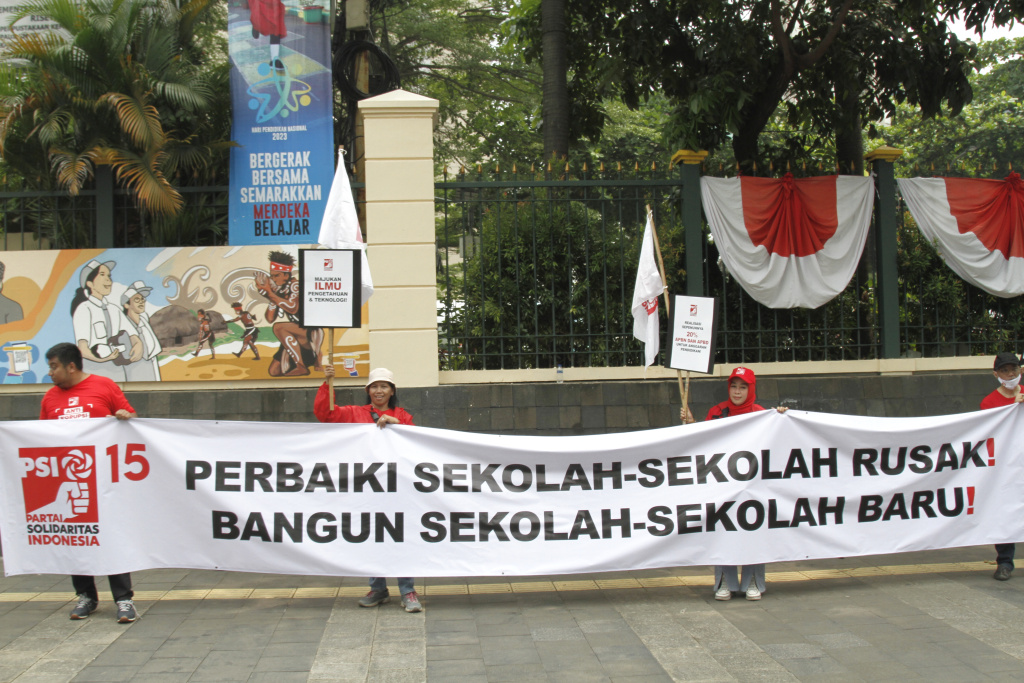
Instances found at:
x=753 y=593
x=723 y=593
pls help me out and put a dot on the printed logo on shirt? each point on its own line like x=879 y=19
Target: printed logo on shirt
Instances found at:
x=59 y=490
x=73 y=401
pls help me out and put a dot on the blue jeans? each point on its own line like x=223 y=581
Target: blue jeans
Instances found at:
x=405 y=584
x=1004 y=554
x=728 y=576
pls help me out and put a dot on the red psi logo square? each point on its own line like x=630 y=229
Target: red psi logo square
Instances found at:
x=328 y=264
x=693 y=309
x=59 y=484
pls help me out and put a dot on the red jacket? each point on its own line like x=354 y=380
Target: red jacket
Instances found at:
x=353 y=413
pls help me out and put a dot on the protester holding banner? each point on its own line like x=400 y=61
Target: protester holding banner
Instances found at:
x=78 y=395
x=381 y=408
x=1006 y=370
x=742 y=400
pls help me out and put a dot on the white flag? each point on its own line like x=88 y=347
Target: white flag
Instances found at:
x=645 y=296
x=340 y=227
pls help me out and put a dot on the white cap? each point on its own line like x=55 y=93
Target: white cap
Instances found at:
x=381 y=375
x=137 y=287
x=91 y=266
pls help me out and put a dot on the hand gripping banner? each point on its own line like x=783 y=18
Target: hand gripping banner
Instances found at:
x=105 y=496
x=790 y=241
x=976 y=224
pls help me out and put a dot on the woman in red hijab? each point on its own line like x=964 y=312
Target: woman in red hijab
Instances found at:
x=742 y=400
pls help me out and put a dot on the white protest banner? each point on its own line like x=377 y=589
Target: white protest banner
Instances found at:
x=105 y=496
x=694 y=329
x=329 y=287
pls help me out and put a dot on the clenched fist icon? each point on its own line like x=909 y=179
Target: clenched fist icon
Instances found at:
x=72 y=500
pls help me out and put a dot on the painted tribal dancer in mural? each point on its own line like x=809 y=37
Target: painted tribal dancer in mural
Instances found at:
x=300 y=346
x=249 y=330
x=101 y=331
x=206 y=335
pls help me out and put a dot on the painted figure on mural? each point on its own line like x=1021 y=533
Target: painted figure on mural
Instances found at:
x=206 y=335
x=300 y=346
x=267 y=17
x=101 y=330
x=10 y=310
x=249 y=330
x=133 y=301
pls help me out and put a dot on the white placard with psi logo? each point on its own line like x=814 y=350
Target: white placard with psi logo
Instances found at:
x=330 y=280
x=693 y=326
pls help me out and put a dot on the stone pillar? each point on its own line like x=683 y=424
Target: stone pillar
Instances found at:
x=693 y=219
x=887 y=288
x=399 y=175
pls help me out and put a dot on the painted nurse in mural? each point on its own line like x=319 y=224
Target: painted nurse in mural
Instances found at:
x=101 y=331
x=300 y=346
x=133 y=301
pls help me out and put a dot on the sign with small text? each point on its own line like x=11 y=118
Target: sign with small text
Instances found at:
x=330 y=283
x=693 y=326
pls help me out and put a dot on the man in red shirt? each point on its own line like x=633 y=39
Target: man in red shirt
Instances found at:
x=1006 y=369
x=80 y=395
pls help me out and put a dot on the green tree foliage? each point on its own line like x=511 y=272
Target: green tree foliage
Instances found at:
x=729 y=65
x=120 y=85
x=985 y=138
x=549 y=282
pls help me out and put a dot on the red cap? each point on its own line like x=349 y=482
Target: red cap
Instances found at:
x=745 y=374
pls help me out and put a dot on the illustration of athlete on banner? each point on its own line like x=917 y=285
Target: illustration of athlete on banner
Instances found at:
x=281 y=172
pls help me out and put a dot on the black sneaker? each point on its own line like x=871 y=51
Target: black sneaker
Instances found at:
x=374 y=598
x=126 y=613
x=84 y=608
x=1002 y=573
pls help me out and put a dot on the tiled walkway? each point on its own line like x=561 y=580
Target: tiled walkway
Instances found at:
x=932 y=616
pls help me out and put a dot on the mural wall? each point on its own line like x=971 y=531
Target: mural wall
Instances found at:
x=166 y=314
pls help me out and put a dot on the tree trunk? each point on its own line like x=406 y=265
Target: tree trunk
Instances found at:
x=849 y=138
x=555 y=106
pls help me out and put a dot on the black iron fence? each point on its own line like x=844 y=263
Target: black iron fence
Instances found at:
x=537 y=270
x=55 y=220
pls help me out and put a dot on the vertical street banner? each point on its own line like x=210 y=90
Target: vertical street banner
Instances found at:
x=282 y=170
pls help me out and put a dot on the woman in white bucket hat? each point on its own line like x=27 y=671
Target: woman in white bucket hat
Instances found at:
x=382 y=409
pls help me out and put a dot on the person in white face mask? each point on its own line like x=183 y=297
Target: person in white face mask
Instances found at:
x=1006 y=370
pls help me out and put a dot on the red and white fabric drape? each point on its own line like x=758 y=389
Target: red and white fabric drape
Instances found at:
x=790 y=242
x=977 y=225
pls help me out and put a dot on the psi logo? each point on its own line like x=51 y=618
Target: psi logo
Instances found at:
x=59 y=484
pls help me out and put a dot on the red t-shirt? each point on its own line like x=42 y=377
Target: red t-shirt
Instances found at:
x=996 y=400
x=94 y=396
x=353 y=413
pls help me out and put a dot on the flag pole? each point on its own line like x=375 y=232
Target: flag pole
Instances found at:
x=684 y=391
x=330 y=331
x=330 y=385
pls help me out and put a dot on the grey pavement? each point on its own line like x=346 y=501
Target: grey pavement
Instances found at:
x=927 y=616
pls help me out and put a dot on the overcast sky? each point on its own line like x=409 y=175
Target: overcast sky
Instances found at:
x=991 y=33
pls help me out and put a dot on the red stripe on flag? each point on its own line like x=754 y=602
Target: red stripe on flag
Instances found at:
x=790 y=217
x=993 y=210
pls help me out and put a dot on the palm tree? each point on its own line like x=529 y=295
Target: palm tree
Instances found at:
x=117 y=87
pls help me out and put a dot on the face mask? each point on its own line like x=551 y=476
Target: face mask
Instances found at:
x=1010 y=384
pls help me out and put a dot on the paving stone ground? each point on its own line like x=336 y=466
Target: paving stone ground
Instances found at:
x=928 y=616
